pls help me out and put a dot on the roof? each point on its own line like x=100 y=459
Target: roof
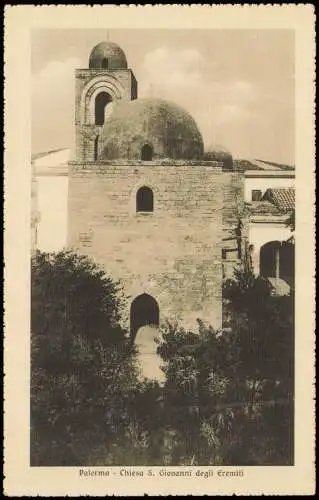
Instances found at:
x=168 y=130
x=54 y=162
x=36 y=156
x=263 y=207
x=282 y=198
x=265 y=166
x=107 y=55
x=219 y=153
x=270 y=165
x=269 y=174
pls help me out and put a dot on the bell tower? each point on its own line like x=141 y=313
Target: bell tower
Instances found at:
x=97 y=89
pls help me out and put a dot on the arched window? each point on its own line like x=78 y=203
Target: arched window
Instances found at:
x=101 y=101
x=144 y=311
x=105 y=63
x=96 y=147
x=144 y=200
x=147 y=153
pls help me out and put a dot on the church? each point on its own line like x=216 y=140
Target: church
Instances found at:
x=146 y=201
x=167 y=218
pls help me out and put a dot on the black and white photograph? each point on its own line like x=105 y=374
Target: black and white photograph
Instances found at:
x=163 y=290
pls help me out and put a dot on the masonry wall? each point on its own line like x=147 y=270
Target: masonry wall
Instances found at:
x=174 y=253
x=233 y=213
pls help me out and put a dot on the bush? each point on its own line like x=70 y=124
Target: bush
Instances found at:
x=82 y=361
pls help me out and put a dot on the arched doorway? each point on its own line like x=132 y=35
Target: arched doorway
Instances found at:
x=102 y=100
x=144 y=311
x=270 y=259
x=147 y=153
x=144 y=330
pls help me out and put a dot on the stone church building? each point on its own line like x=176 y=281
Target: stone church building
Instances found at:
x=144 y=199
x=147 y=202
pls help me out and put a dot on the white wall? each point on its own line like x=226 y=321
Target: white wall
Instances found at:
x=52 y=205
x=261 y=233
x=263 y=184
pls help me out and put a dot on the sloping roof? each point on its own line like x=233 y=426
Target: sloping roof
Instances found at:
x=264 y=166
x=36 y=156
x=283 y=198
x=270 y=165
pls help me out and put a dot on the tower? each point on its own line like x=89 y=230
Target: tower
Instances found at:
x=106 y=81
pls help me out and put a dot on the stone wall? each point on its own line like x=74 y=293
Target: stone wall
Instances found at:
x=174 y=253
x=234 y=224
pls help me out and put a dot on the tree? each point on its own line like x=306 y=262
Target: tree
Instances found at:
x=199 y=381
x=228 y=395
x=264 y=328
x=82 y=361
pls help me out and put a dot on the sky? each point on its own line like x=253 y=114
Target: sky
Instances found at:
x=238 y=85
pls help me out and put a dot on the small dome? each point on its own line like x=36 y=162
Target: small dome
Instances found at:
x=220 y=154
x=147 y=129
x=107 y=55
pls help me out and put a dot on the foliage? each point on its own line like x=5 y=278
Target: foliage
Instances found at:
x=227 y=398
x=82 y=364
x=229 y=395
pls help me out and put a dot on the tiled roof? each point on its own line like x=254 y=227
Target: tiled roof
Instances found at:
x=283 y=198
x=262 y=208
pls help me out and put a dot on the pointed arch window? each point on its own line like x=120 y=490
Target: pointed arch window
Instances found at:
x=102 y=100
x=144 y=199
x=147 y=153
x=105 y=63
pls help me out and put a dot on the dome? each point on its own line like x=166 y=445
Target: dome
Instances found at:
x=148 y=129
x=107 y=55
x=220 y=154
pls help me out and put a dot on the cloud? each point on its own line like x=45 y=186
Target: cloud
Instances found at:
x=53 y=105
x=217 y=102
x=232 y=112
x=166 y=69
x=55 y=77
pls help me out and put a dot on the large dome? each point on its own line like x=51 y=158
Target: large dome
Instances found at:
x=107 y=55
x=149 y=129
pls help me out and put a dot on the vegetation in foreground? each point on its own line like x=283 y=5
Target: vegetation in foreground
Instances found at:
x=227 y=398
